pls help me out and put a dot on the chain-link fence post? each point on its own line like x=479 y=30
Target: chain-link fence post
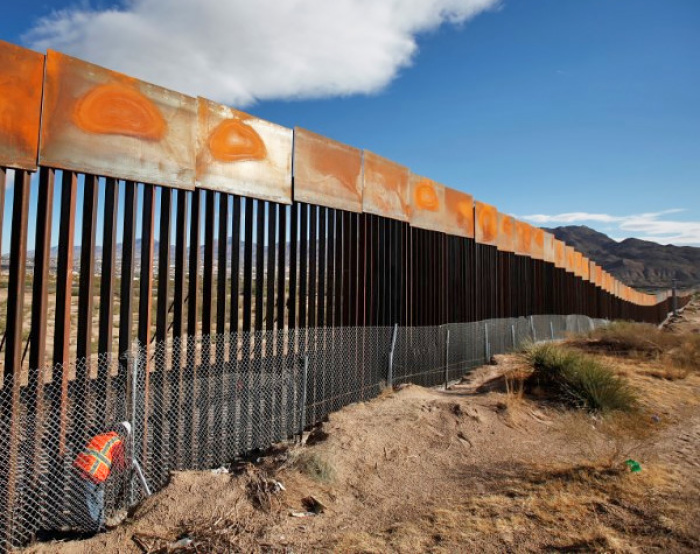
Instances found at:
x=390 y=369
x=532 y=329
x=133 y=360
x=304 y=383
x=487 y=344
x=551 y=329
x=512 y=336
x=447 y=359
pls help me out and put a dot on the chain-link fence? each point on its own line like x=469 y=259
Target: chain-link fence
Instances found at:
x=201 y=402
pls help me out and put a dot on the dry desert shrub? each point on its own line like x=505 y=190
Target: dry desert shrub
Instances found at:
x=312 y=464
x=679 y=351
x=578 y=379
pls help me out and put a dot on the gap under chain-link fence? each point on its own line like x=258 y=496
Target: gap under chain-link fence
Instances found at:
x=202 y=402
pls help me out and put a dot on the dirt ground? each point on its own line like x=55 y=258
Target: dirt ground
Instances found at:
x=476 y=468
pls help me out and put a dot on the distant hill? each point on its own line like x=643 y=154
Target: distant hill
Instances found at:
x=638 y=263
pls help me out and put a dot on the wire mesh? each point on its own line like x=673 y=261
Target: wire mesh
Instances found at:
x=56 y=413
x=201 y=402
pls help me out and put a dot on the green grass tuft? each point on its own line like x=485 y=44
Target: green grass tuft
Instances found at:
x=580 y=380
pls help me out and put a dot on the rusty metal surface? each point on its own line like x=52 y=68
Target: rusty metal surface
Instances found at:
x=21 y=78
x=537 y=245
x=485 y=223
x=549 y=254
x=506 y=233
x=578 y=264
x=585 y=269
x=327 y=172
x=427 y=204
x=385 y=190
x=570 y=258
x=559 y=254
x=105 y=123
x=523 y=238
x=241 y=154
x=459 y=213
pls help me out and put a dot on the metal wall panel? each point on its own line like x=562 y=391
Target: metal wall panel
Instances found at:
x=21 y=77
x=428 y=208
x=559 y=254
x=241 y=154
x=578 y=264
x=459 y=213
x=102 y=122
x=523 y=238
x=506 y=233
x=327 y=172
x=570 y=259
x=485 y=223
x=549 y=253
x=585 y=269
x=537 y=245
x=385 y=190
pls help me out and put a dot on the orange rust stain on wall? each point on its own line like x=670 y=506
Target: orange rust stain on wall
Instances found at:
x=537 y=245
x=232 y=140
x=570 y=259
x=21 y=75
x=506 y=233
x=319 y=160
x=386 y=187
x=486 y=223
x=116 y=109
x=425 y=197
x=523 y=238
x=460 y=206
x=559 y=254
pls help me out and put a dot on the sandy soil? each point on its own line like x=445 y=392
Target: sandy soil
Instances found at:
x=477 y=468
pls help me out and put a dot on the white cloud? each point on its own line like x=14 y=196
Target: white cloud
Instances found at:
x=238 y=51
x=647 y=226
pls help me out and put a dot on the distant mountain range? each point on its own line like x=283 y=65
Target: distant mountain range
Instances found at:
x=637 y=263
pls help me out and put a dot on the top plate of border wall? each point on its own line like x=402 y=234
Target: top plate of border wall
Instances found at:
x=238 y=153
x=21 y=80
x=327 y=172
x=106 y=123
x=385 y=190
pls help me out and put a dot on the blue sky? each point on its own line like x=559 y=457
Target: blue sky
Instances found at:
x=557 y=111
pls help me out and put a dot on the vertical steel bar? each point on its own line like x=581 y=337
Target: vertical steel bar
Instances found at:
x=204 y=376
x=178 y=370
x=85 y=300
x=10 y=392
x=39 y=315
x=62 y=339
x=189 y=437
x=126 y=297
x=320 y=319
x=303 y=264
x=220 y=370
x=106 y=323
x=281 y=267
x=144 y=321
x=161 y=440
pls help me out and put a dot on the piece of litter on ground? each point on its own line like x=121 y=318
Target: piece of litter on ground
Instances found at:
x=302 y=514
x=634 y=466
x=184 y=542
x=219 y=470
x=279 y=487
